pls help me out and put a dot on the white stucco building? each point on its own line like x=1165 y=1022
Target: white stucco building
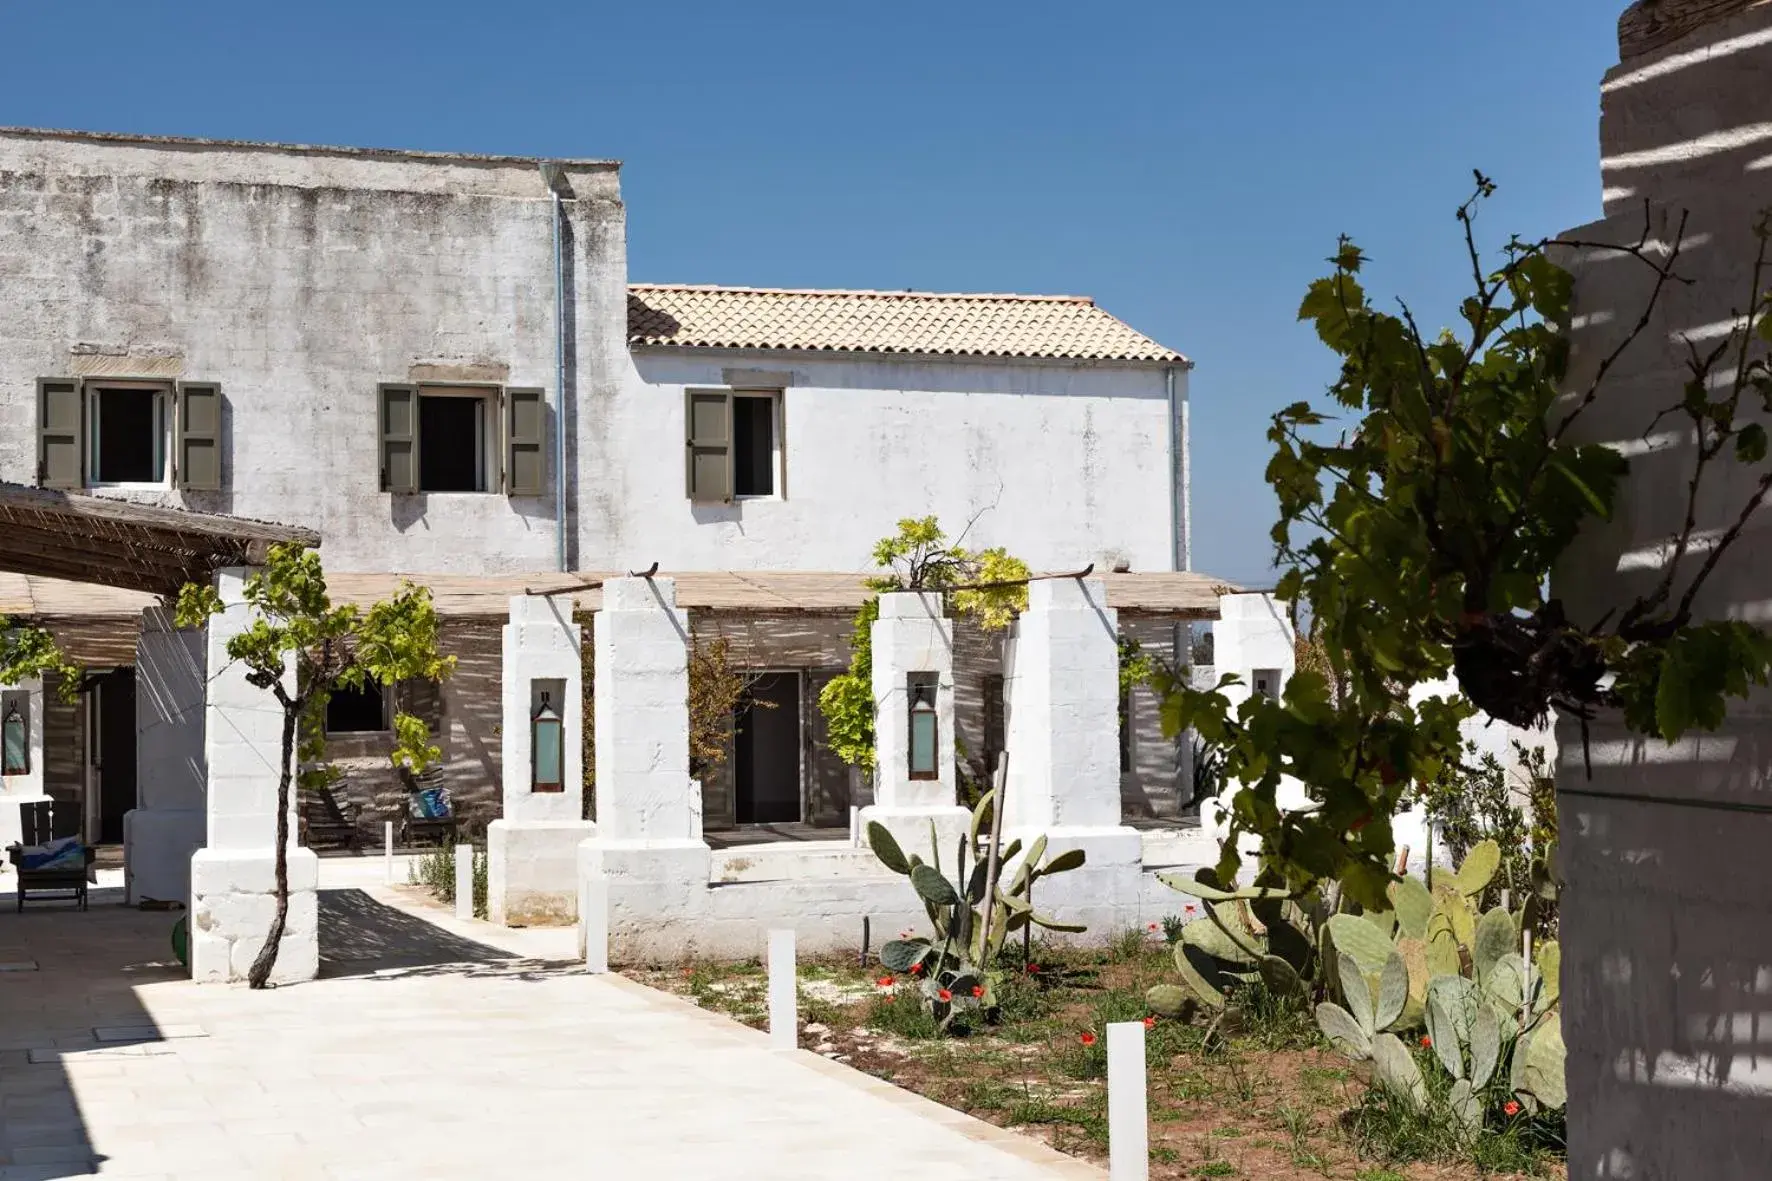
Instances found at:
x=438 y=363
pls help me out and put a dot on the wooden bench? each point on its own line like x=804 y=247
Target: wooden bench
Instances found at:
x=37 y=824
x=326 y=822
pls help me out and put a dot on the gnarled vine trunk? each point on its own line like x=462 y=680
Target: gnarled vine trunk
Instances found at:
x=260 y=973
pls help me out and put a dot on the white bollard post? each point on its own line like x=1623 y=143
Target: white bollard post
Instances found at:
x=593 y=923
x=855 y=826
x=464 y=881
x=387 y=849
x=1128 y=1127
x=784 y=988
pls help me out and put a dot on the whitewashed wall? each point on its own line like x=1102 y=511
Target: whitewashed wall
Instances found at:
x=1062 y=463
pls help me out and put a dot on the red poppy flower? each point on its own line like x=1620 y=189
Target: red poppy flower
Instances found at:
x=1033 y=969
x=1188 y=909
x=1426 y=1041
x=917 y=968
x=978 y=990
x=1088 y=1039
x=1150 y=1023
x=944 y=994
x=1154 y=926
x=884 y=982
x=1511 y=1107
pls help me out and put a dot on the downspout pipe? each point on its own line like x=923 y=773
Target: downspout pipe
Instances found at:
x=556 y=180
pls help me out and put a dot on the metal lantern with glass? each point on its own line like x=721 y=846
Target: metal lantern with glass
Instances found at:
x=924 y=730
x=549 y=749
x=15 y=758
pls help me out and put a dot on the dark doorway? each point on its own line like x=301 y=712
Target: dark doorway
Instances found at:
x=766 y=752
x=113 y=753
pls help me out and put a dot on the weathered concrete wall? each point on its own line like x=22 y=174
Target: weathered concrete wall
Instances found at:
x=1666 y=926
x=298 y=279
x=956 y=439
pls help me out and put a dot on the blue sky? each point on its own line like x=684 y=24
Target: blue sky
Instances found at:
x=1188 y=165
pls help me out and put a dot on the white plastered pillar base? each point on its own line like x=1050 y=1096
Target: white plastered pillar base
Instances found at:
x=234 y=899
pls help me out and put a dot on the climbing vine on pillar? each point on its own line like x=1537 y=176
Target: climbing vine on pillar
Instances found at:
x=1422 y=539
x=989 y=585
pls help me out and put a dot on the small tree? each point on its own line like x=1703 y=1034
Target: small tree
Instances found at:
x=919 y=557
x=28 y=653
x=1423 y=539
x=332 y=648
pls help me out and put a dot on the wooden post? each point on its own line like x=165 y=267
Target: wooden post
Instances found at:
x=1128 y=1125
x=784 y=1030
x=464 y=881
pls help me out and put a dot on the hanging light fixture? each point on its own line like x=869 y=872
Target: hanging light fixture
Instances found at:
x=924 y=727
x=548 y=749
x=15 y=757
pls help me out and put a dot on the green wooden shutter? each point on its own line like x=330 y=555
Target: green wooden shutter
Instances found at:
x=61 y=434
x=708 y=430
x=199 y=436
x=399 y=438
x=526 y=434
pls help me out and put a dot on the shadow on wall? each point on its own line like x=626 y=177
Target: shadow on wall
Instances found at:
x=1667 y=909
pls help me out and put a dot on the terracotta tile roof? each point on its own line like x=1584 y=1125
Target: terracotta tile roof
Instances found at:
x=1067 y=327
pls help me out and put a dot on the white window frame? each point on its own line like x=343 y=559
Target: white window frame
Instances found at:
x=488 y=435
x=163 y=410
x=777 y=465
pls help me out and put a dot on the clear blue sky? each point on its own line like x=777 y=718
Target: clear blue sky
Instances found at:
x=1187 y=164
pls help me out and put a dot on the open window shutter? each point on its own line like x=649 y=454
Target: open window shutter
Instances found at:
x=399 y=438
x=708 y=422
x=61 y=437
x=526 y=433
x=199 y=437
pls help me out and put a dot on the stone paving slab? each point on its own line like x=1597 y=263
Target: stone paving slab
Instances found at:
x=445 y=1050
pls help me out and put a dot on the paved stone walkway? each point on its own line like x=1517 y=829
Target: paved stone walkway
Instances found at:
x=423 y=1053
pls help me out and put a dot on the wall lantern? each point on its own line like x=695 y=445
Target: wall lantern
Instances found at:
x=924 y=731
x=15 y=757
x=548 y=752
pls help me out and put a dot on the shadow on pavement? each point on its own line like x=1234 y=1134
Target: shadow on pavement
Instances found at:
x=360 y=937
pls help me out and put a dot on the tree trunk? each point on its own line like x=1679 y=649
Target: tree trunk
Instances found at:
x=260 y=974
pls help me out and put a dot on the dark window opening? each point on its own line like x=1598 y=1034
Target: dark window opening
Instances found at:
x=128 y=436
x=356 y=711
x=753 y=441
x=1125 y=730
x=451 y=444
x=993 y=721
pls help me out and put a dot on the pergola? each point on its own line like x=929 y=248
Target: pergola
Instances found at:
x=131 y=546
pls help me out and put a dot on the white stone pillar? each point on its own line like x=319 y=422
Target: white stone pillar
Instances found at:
x=532 y=850
x=25 y=788
x=1253 y=640
x=1064 y=752
x=233 y=879
x=648 y=856
x=169 y=822
x=912 y=636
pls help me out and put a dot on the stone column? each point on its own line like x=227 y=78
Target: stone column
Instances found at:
x=912 y=636
x=26 y=788
x=532 y=851
x=648 y=857
x=233 y=879
x=168 y=823
x=1064 y=753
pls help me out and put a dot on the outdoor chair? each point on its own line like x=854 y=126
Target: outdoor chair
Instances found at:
x=68 y=874
x=430 y=815
x=326 y=821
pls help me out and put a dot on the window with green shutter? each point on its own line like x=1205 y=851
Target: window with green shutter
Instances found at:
x=708 y=435
x=199 y=436
x=526 y=433
x=61 y=434
x=398 y=414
